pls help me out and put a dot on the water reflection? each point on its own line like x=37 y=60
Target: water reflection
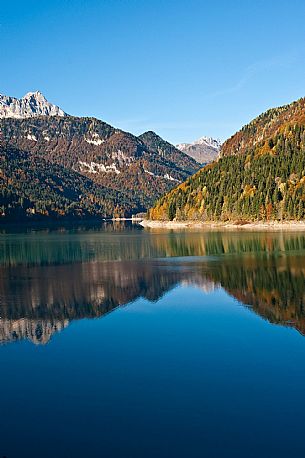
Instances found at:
x=49 y=279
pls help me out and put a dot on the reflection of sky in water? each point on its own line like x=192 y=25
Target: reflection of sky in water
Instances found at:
x=165 y=378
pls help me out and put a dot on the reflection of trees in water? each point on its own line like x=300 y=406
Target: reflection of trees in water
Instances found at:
x=40 y=299
x=64 y=247
x=274 y=289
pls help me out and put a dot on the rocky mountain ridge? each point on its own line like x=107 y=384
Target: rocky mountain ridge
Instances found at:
x=203 y=150
x=30 y=105
x=120 y=174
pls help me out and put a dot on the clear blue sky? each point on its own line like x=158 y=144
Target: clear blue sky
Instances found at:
x=182 y=68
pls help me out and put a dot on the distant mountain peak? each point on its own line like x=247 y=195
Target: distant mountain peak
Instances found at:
x=30 y=105
x=203 y=150
x=34 y=94
x=166 y=150
x=214 y=142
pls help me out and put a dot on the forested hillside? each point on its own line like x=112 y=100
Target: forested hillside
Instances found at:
x=265 y=127
x=109 y=157
x=259 y=176
x=32 y=189
x=168 y=151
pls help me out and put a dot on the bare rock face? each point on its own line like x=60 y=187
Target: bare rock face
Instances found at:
x=203 y=150
x=31 y=105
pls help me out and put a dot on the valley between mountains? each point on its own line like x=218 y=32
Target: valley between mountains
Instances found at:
x=57 y=166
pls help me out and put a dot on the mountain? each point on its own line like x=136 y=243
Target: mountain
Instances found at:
x=168 y=151
x=260 y=174
x=30 y=105
x=31 y=188
x=203 y=150
x=121 y=164
x=266 y=129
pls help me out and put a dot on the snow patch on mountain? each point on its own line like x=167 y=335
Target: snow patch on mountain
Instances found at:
x=121 y=157
x=31 y=137
x=207 y=141
x=95 y=140
x=94 y=167
x=166 y=176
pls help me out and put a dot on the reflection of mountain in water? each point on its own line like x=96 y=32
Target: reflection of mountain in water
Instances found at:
x=38 y=331
x=265 y=271
x=55 y=295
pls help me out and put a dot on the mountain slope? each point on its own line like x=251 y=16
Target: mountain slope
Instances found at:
x=266 y=126
x=260 y=174
x=168 y=151
x=108 y=156
x=203 y=150
x=30 y=105
x=30 y=188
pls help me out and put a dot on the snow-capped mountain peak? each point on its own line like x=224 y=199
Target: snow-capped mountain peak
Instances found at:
x=37 y=95
x=203 y=150
x=214 y=143
x=30 y=105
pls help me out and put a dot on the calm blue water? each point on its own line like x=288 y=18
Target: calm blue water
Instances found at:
x=127 y=343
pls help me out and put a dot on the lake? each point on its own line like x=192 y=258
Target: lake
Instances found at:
x=123 y=342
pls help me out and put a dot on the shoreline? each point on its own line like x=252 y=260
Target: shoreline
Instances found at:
x=135 y=219
x=257 y=225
